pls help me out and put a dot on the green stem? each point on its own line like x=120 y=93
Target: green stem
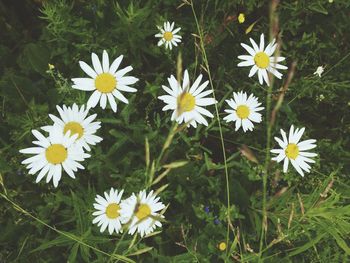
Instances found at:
x=205 y=60
x=116 y=247
x=155 y=167
x=266 y=167
x=269 y=124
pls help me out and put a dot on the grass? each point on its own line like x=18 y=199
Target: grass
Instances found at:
x=219 y=185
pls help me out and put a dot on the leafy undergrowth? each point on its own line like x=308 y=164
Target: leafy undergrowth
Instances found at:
x=307 y=217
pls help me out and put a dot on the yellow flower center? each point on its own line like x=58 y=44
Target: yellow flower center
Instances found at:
x=74 y=128
x=222 y=246
x=168 y=36
x=143 y=211
x=242 y=111
x=292 y=151
x=241 y=18
x=261 y=60
x=185 y=102
x=105 y=83
x=56 y=153
x=112 y=211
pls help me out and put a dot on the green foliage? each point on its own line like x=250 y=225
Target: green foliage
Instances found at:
x=308 y=218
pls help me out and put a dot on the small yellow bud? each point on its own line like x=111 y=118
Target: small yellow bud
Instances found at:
x=241 y=18
x=222 y=246
x=51 y=66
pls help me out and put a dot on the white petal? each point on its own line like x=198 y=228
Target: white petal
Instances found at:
x=126 y=88
x=238 y=124
x=255 y=46
x=196 y=84
x=297 y=167
x=253 y=70
x=186 y=81
x=204 y=93
x=204 y=112
x=205 y=101
x=87 y=69
x=266 y=77
x=200 y=88
x=113 y=68
x=32 y=150
x=112 y=102
x=127 y=80
x=120 y=96
x=285 y=165
x=105 y=61
x=246 y=63
x=96 y=63
x=122 y=72
x=57 y=175
x=103 y=101
x=262 y=43
x=94 y=98
x=87 y=84
x=42 y=173
x=260 y=77
x=249 y=49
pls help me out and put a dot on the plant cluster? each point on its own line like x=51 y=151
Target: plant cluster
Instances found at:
x=189 y=160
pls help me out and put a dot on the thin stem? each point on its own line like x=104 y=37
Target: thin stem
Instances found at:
x=156 y=165
x=269 y=125
x=266 y=166
x=116 y=247
x=205 y=60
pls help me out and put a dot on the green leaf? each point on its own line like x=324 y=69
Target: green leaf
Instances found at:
x=59 y=241
x=317 y=7
x=176 y=164
x=73 y=253
x=140 y=251
x=308 y=245
x=38 y=57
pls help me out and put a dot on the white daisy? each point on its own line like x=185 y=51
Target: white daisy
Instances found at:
x=262 y=60
x=108 y=211
x=244 y=111
x=105 y=80
x=141 y=213
x=76 y=121
x=168 y=35
x=187 y=103
x=294 y=151
x=54 y=152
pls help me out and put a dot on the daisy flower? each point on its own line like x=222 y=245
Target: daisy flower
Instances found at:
x=168 y=35
x=108 y=211
x=105 y=80
x=244 y=111
x=294 y=151
x=187 y=103
x=141 y=212
x=78 y=122
x=262 y=60
x=52 y=154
